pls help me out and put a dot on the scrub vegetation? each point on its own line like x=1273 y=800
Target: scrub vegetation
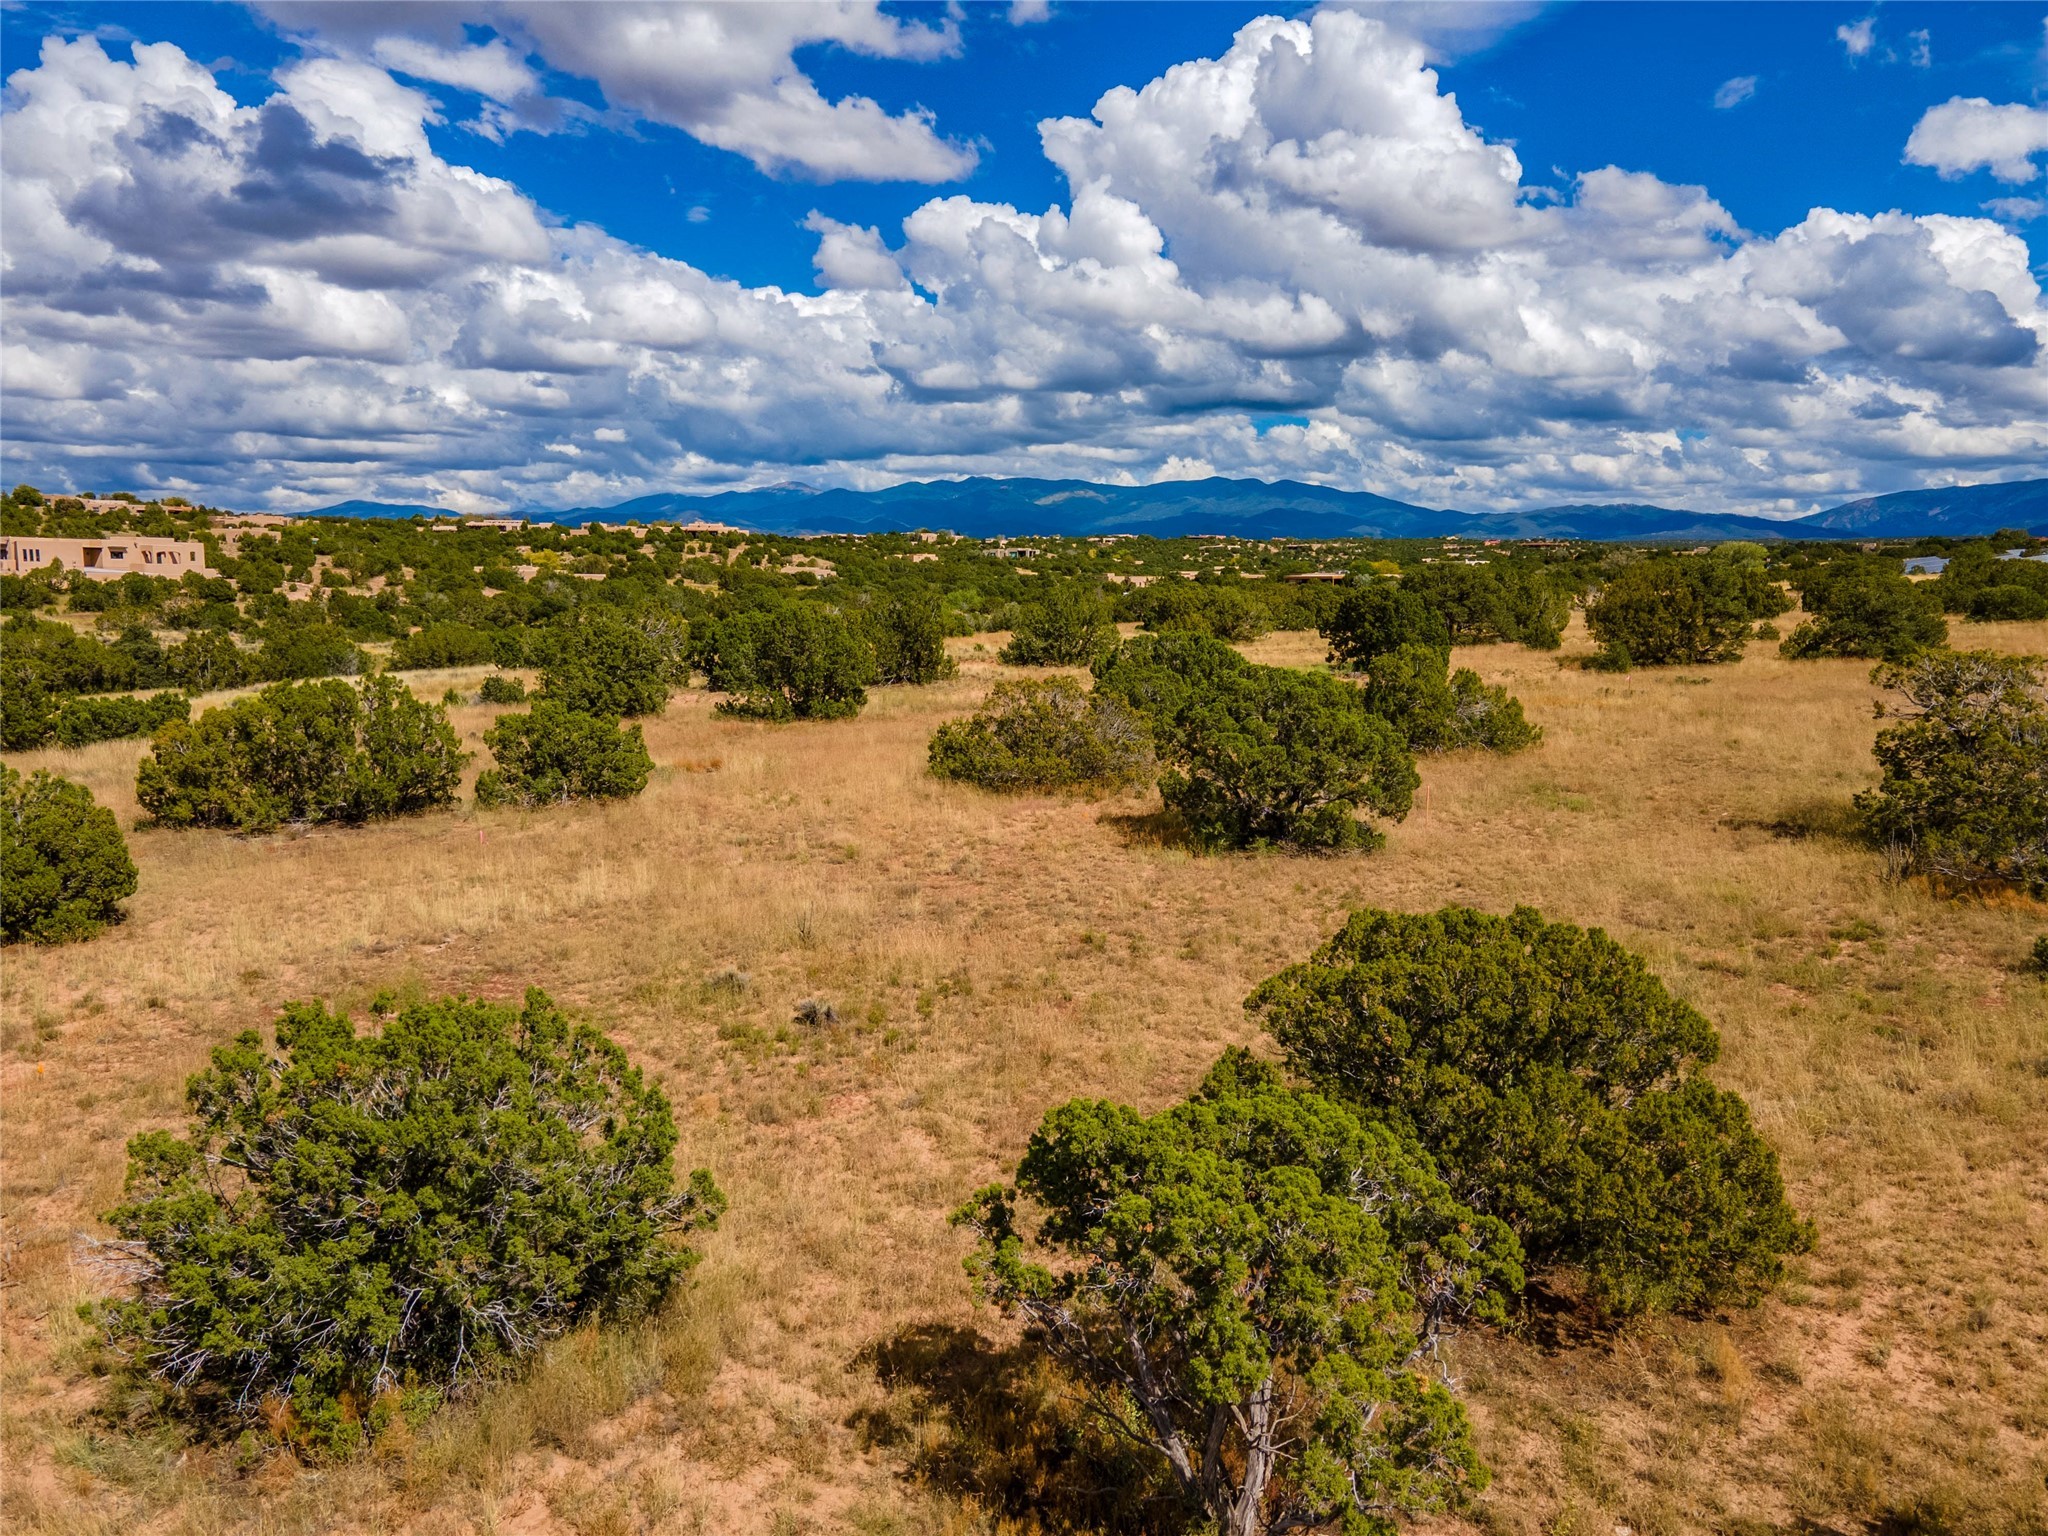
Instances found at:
x=1558 y=1086
x=1964 y=797
x=1253 y=1284
x=1866 y=608
x=358 y=1226
x=553 y=754
x=303 y=752
x=1044 y=734
x=1677 y=610
x=1631 y=1124
x=64 y=866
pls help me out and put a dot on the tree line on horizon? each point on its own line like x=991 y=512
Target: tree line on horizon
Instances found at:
x=338 y=597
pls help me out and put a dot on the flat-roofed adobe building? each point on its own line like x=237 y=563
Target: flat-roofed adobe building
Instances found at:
x=103 y=559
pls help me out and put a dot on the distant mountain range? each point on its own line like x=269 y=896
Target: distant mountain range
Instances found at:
x=395 y=509
x=1258 y=509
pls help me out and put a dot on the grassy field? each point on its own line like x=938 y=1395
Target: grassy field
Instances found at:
x=826 y=1370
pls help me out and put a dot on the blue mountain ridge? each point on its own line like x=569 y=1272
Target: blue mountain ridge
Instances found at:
x=398 y=509
x=1258 y=509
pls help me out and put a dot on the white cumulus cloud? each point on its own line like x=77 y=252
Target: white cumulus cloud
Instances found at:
x=1968 y=133
x=723 y=73
x=297 y=301
x=851 y=257
x=1448 y=29
x=489 y=69
x=727 y=75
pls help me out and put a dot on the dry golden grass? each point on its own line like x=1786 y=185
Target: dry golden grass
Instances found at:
x=989 y=957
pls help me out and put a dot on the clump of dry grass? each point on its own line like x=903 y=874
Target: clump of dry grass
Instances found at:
x=988 y=956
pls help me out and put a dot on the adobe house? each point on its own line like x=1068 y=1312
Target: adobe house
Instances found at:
x=106 y=558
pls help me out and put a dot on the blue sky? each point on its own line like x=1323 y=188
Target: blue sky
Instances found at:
x=1760 y=257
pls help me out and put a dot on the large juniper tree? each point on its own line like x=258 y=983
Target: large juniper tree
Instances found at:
x=1678 y=610
x=1068 y=627
x=356 y=1220
x=1255 y=1284
x=549 y=755
x=613 y=668
x=64 y=866
x=1964 y=796
x=789 y=661
x=1041 y=734
x=1866 y=607
x=1260 y=755
x=1558 y=1086
x=316 y=751
x=1290 y=758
